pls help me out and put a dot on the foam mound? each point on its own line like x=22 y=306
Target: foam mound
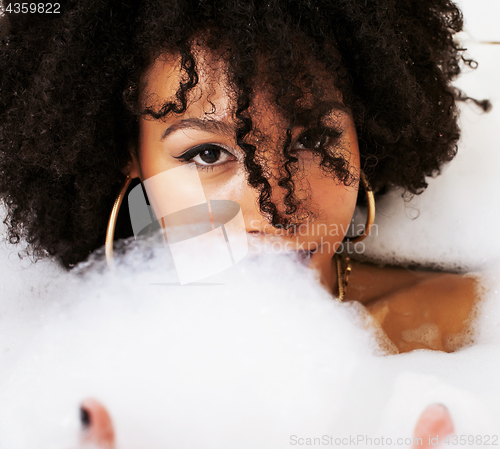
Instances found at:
x=260 y=355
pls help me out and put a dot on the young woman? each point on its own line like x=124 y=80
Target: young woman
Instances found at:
x=289 y=108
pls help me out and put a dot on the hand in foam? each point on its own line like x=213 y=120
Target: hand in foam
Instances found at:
x=97 y=425
x=433 y=426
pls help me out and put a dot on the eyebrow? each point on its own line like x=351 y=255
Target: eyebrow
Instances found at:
x=208 y=125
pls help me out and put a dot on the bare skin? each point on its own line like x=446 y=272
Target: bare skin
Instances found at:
x=415 y=309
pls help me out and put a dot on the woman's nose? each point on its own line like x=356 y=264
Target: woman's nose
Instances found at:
x=255 y=223
x=97 y=427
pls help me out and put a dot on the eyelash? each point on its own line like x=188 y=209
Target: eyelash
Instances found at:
x=193 y=152
x=317 y=135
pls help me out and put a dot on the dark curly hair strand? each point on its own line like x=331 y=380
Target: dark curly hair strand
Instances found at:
x=70 y=86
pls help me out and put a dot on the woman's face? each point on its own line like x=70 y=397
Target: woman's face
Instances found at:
x=205 y=134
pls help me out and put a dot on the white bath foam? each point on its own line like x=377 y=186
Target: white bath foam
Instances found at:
x=251 y=358
x=247 y=363
x=27 y=290
x=454 y=223
x=413 y=392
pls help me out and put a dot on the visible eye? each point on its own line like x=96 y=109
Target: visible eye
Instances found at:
x=315 y=139
x=207 y=156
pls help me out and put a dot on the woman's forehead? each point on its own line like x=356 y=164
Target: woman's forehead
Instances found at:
x=213 y=92
x=163 y=79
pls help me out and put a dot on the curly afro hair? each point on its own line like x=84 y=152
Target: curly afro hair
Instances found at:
x=69 y=96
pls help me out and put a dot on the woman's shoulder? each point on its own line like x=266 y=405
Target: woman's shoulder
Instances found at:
x=417 y=309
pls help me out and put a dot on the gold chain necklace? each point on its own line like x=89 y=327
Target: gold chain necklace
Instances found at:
x=343 y=268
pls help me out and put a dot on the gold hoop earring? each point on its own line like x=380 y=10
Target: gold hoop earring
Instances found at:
x=110 y=231
x=370 y=219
